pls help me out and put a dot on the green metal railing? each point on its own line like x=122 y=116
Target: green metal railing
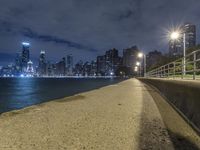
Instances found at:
x=178 y=69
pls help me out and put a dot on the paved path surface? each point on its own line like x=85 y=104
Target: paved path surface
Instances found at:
x=117 y=117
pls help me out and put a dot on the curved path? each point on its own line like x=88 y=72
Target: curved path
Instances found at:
x=126 y=116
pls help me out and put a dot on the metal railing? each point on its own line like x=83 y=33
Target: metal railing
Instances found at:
x=179 y=69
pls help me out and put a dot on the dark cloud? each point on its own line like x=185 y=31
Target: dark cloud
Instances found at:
x=27 y=32
x=126 y=14
x=87 y=28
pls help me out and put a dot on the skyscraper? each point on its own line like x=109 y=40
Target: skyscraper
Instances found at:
x=69 y=64
x=176 y=47
x=42 y=64
x=18 y=64
x=86 y=69
x=78 y=70
x=154 y=59
x=190 y=34
x=30 y=70
x=93 y=71
x=112 y=61
x=25 y=55
x=61 y=67
x=130 y=57
x=101 y=65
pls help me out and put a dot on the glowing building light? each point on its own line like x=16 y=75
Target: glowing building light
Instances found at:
x=22 y=75
x=25 y=43
x=42 y=52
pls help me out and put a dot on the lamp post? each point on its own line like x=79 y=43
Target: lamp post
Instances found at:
x=138 y=64
x=136 y=69
x=184 y=53
x=175 y=36
x=142 y=55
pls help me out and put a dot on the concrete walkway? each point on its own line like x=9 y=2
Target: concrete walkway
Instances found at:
x=117 y=117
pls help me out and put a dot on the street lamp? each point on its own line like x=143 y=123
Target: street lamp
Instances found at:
x=136 y=69
x=137 y=63
x=175 y=35
x=142 y=55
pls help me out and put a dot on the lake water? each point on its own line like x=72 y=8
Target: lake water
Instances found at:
x=16 y=93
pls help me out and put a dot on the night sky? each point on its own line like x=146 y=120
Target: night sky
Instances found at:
x=87 y=28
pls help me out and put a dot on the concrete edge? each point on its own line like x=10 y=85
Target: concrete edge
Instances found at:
x=174 y=107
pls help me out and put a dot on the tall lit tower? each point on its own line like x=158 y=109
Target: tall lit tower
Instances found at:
x=42 y=64
x=18 y=63
x=190 y=35
x=69 y=64
x=42 y=56
x=175 y=48
x=25 y=55
x=30 y=70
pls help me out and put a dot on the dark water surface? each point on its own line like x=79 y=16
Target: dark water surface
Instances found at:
x=16 y=93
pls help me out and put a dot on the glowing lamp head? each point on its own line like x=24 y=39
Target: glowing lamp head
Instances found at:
x=140 y=55
x=136 y=69
x=175 y=35
x=137 y=63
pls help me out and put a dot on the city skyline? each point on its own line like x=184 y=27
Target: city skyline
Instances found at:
x=108 y=64
x=71 y=28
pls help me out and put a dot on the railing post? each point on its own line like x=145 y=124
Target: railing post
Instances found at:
x=157 y=73
x=164 y=68
x=161 y=72
x=168 y=73
x=194 y=66
x=174 y=69
x=182 y=68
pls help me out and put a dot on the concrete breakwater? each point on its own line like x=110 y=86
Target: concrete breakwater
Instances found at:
x=183 y=94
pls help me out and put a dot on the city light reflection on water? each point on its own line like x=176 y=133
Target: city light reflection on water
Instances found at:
x=16 y=93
